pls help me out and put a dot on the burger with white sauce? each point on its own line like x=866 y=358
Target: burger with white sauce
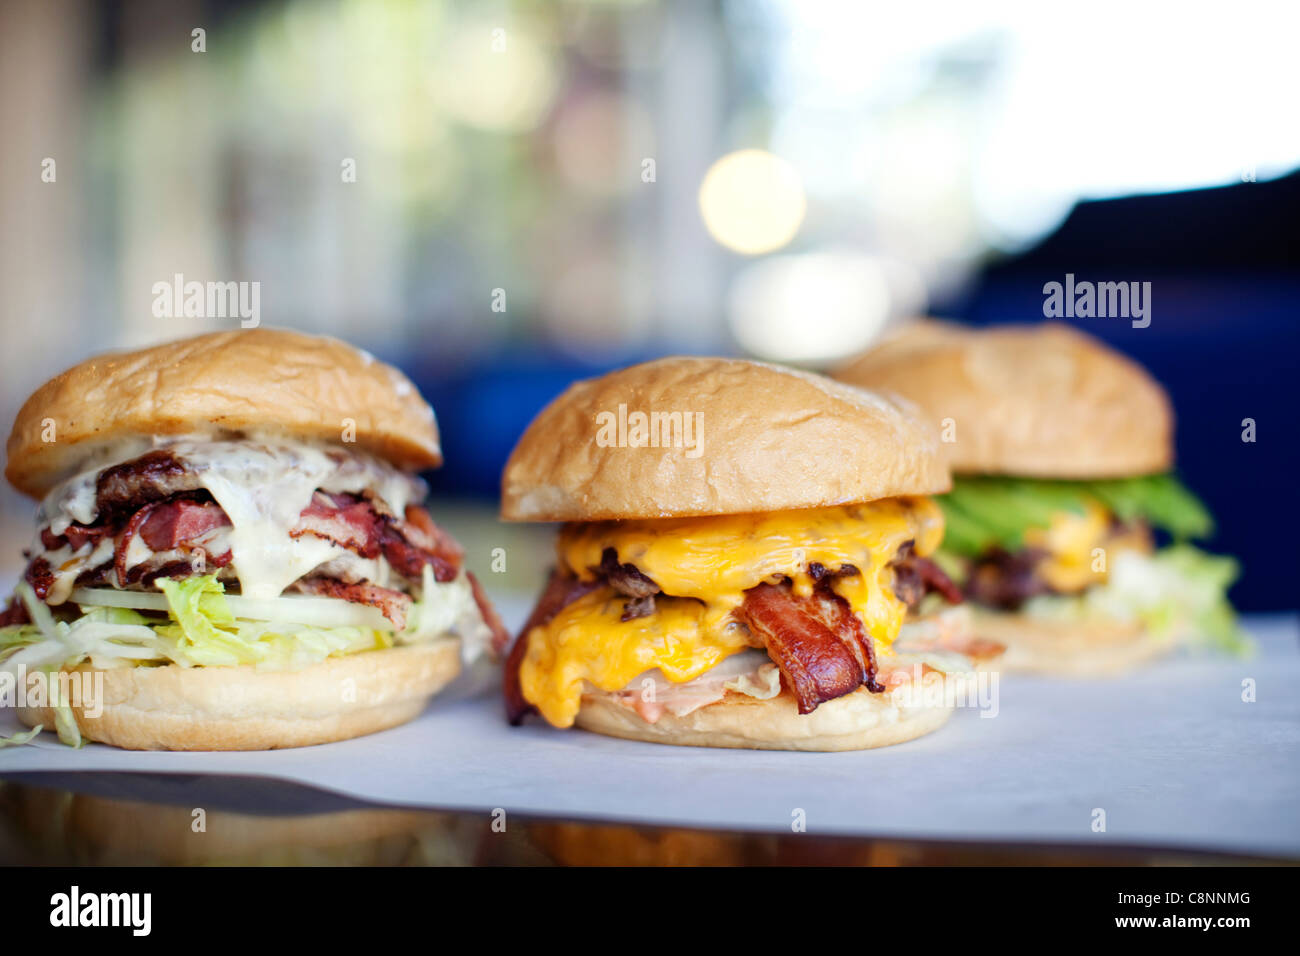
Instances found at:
x=231 y=541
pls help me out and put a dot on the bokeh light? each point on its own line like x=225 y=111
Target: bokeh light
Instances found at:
x=752 y=201
x=818 y=306
x=495 y=78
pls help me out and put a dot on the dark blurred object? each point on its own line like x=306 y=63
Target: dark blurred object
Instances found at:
x=1225 y=275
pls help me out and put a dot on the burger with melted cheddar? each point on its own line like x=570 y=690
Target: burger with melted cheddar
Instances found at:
x=231 y=550
x=741 y=546
x=1063 y=493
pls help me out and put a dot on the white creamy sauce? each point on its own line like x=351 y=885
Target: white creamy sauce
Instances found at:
x=262 y=484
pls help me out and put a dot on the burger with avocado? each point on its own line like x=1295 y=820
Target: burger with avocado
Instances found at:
x=1067 y=529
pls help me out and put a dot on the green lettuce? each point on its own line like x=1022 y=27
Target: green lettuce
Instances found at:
x=206 y=634
x=987 y=511
x=17 y=740
x=200 y=630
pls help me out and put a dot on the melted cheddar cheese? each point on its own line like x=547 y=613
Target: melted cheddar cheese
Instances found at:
x=704 y=566
x=1071 y=541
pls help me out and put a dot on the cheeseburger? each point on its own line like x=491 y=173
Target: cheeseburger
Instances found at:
x=741 y=545
x=231 y=551
x=1062 y=451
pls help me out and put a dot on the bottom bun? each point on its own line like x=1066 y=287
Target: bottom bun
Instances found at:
x=242 y=708
x=1069 y=648
x=857 y=721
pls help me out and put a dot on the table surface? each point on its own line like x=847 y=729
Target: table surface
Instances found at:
x=110 y=819
x=1185 y=769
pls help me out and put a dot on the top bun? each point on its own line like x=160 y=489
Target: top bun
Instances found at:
x=773 y=438
x=307 y=386
x=1040 y=401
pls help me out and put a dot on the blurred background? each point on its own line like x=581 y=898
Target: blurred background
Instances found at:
x=501 y=197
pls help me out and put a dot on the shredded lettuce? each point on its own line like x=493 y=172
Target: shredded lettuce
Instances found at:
x=17 y=740
x=201 y=631
x=1179 y=592
x=65 y=724
x=985 y=511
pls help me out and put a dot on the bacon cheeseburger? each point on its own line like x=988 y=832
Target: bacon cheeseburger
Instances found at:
x=738 y=589
x=231 y=533
x=1063 y=450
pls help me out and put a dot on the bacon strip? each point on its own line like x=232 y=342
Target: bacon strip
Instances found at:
x=915 y=577
x=419 y=529
x=935 y=579
x=177 y=524
x=1006 y=580
x=157 y=497
x=500 y=636
x=348 y=522
x=392 y=604
x=561 y=591
x=124 y=541
x=818 y=643
x=75 y=536
x=40 y=576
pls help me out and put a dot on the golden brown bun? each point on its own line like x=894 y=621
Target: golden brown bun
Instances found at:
x=773 y=438
x=242 y=708
x=308 y=386
x=857 y=721
x=1043 y=400
x=1068 y=648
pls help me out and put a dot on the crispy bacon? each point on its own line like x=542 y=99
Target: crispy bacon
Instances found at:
x=936 y=580
x=166 y=526
x=410 y=544
x=817 y=642
x=124 y=541
x=157 y=497
x=76 y=536
x=392 y=604
x=419 y=529
x=347 y=521
x=915 y=577
x=500 y=636
x=179 y=523
x=561 y=591
x=40 y=576
x=1005 y=580
x=147 y=572
x=409 y=561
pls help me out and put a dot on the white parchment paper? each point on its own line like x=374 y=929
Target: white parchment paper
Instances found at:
x=1174 y=757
